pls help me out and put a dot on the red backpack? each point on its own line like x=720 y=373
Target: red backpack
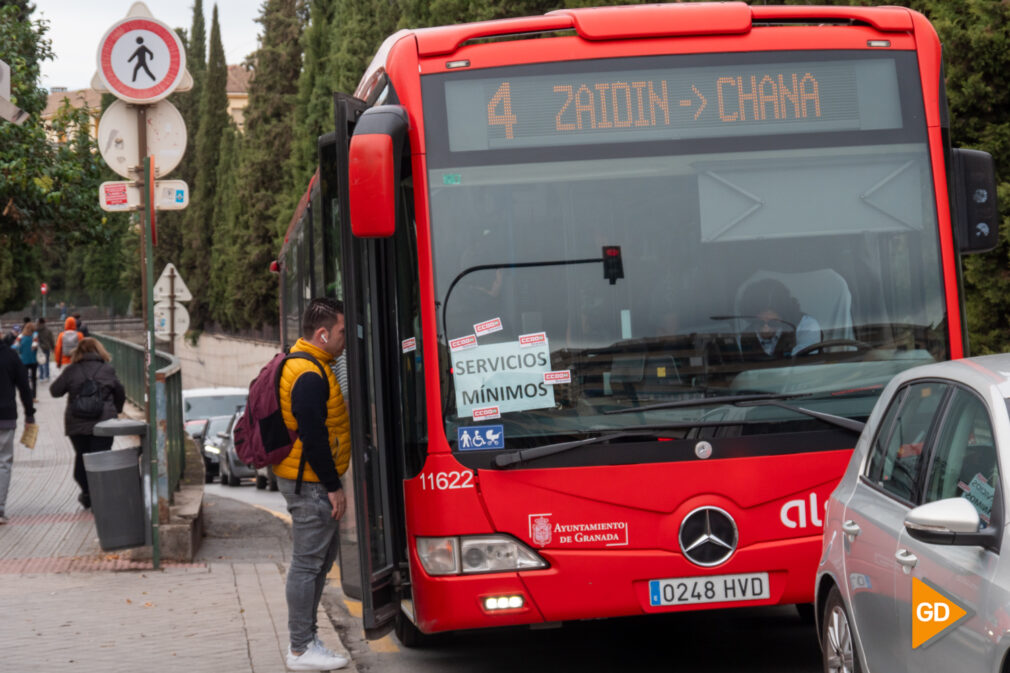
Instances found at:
x=261 y=438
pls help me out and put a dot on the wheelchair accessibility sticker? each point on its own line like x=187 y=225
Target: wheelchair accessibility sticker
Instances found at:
x=480 y=437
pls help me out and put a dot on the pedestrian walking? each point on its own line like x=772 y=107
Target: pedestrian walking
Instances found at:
x=309 y=477
x=81 y=327
x=94 y=394
x=13 y=379
x=46 y=346
x=27 y=346
x=66 y=342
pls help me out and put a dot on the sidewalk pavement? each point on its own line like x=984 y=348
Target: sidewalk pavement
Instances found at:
x=67 y=606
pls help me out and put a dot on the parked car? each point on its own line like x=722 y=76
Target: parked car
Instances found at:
x=233 y=470
x=265 y=478
x=918 y=521
x=210 y=443
x=199 y=403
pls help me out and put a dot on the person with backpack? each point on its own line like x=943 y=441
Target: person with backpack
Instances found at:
x=312 y=406
x=27 y=346
x=46 y=344
x=66 y=342
x=95 y=394
x=13 y=381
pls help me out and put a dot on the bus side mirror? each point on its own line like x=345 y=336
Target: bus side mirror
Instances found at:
x=975 y=211
x=374 y=170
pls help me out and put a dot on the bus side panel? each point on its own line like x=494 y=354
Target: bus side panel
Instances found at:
x=444 y=500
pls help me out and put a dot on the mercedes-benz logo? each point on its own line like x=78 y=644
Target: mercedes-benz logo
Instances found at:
x=708 y=536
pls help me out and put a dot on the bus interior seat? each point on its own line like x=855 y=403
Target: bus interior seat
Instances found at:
x=822 y=294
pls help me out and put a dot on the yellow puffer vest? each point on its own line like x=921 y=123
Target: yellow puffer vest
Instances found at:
x=337 y=423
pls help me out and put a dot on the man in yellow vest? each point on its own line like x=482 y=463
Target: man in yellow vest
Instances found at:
x=314 y=407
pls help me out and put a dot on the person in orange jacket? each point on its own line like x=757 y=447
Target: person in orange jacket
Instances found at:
x=66 y=342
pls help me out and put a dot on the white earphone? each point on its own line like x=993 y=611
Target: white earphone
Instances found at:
x=323 y=337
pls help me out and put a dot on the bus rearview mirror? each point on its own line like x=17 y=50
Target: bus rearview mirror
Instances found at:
x=974 y=208
x=374 y=160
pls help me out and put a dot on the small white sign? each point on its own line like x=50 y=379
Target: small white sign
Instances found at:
x=527 y=340
x=554 y=378
x=502 y=375
x=163 y=320
x=123 y=195
x=487 y=327
x=165 y=285
x=409 y=345
x=486 y=413
x=463 y=343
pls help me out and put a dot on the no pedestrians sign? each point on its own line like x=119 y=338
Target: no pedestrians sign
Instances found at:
x=141 y=60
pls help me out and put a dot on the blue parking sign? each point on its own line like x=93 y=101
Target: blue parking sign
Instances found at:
x=480 y=437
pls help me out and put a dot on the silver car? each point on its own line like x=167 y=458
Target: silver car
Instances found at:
x=913 y=575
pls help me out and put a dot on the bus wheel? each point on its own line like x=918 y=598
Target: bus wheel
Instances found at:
x=409 y=635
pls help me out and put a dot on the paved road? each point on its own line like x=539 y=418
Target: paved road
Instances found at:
x=737 y=641
x=749 y=640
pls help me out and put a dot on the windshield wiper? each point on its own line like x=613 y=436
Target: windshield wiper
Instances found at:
x=705 y=401
x=522 y=455
x=840 y=421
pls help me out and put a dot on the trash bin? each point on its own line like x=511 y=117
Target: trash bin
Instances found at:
x=117 y=498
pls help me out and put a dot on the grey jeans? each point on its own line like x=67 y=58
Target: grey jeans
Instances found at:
x=315 y=548
x=6 y=463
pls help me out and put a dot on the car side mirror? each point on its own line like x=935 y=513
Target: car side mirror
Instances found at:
x=223 y=435
x=374 y=161
x=973 y=201
x=952 y=521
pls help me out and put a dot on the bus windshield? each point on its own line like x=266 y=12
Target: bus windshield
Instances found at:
x=613 y=234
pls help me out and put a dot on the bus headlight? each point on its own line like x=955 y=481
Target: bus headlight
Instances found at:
x=497 y=553
x=475 y=554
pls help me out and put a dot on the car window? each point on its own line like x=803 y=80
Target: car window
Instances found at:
x=894 y=464
x=964 y=460
x=205 y=406
x=879 y=446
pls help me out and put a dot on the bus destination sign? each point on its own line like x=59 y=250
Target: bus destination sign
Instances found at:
x=672 y=104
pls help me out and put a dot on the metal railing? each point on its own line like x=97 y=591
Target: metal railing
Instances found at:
x=128 y=359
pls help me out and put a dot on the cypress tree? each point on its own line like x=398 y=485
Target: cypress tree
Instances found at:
x=226 y=250
x=170 y=223
x=313 y=114
x=262 y=212
x=198 y=224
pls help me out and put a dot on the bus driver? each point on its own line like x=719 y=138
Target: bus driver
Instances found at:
x=779 y=328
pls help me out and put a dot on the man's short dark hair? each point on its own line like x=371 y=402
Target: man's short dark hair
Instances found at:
x=321 y=312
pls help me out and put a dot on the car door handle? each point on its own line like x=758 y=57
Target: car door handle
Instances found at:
x=906 y=558
x=850 y=527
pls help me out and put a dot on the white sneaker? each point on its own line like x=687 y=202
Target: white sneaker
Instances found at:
x=315 y=658
x=322 y=648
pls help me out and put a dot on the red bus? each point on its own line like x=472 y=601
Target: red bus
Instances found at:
x=621 y=286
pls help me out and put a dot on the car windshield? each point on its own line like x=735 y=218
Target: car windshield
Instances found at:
x=205 y=406
x=216 y=425
x=576 y=274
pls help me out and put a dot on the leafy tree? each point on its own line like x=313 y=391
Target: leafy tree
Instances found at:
x=170 y=223
x=47 y=189
x=198 y=224
x=314 y=105
x=261 y=211
x=227 y=253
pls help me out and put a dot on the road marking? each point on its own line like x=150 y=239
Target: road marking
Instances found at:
x=286 y=518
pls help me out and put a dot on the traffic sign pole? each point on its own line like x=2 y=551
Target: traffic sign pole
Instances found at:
x=152 y=383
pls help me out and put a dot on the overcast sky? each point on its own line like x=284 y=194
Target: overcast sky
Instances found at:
x=76 y=26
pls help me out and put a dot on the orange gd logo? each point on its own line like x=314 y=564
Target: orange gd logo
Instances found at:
x=933 y=613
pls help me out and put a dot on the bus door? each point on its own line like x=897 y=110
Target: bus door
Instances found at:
x=379 y=307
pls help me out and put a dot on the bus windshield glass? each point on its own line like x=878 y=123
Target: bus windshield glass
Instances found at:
x=614 y=234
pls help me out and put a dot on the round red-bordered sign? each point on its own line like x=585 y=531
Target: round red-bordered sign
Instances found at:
x=159 y=61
